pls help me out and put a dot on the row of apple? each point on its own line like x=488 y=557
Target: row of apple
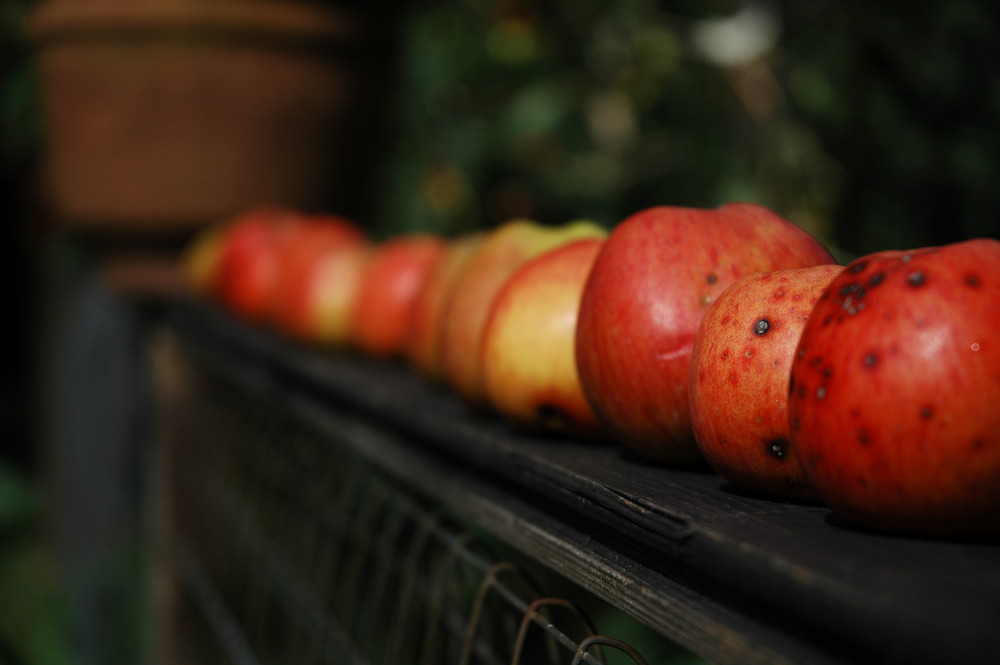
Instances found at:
x=729 y=335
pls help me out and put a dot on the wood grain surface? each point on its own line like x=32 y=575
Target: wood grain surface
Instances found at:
x=735 y=577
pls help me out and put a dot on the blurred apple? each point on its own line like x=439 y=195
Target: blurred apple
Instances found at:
x=502 y=252
x=308 y=265
x=395 y=277
x=424 y=344
x=318 y=282
x=249 y=258
x=528 y=361
x=654 y=278
x=740 y=366
x=200 y=259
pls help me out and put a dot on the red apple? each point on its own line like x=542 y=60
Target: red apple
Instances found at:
x=501 y=253
x=653 y=280
x=895 y=389
x=249 y=259
x=528 y=361
x=318 y=284
x=424 y=343
x=389 y=290
x=740 y=365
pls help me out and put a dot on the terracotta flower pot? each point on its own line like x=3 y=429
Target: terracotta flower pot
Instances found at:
x=164 y=114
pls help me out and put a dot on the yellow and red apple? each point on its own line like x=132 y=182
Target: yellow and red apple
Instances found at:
x=503 y=251
x=318 y=284
x=200 y=259
x=424 y=343
x=528 y=360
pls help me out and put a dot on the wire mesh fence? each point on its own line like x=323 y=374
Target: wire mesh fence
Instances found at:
x=291 y=548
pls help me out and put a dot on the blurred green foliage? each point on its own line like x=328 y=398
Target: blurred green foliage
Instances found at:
x=20 y=129
x=873 y=125
x=33 y=613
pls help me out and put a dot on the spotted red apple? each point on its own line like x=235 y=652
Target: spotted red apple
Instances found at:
x=528 y=364
x=740 y=366
x=895 y=391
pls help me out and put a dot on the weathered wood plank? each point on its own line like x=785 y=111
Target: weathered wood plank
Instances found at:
x=743 y=578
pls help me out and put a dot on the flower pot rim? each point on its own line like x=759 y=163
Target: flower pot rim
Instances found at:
x=296 y=23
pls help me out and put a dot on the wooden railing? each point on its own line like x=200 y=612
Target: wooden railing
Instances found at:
x=272 y=445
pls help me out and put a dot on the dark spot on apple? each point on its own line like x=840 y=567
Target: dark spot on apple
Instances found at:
x=552 y=416
x=725 y=354
x=863 y=437
x=927 y=413
x=851 y=296
x=761 y=327
x=870 y=360
x=860 y=292
x=862 y=481
x=824 y=294
x=801 y=391
x=813 y=459
x=876 y=279
x=978 y=444
x=972 y=280
x=827 y=372
x=858 y=267
x=791 y=385
x=712 y=278
x=816 y=361
x=777 y=448
x=802 y=353
x=848 y=289
x=796 y=424
x=916 y=279
x=827 y=320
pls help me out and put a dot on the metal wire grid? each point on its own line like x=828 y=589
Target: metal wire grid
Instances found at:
x=292 y=549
